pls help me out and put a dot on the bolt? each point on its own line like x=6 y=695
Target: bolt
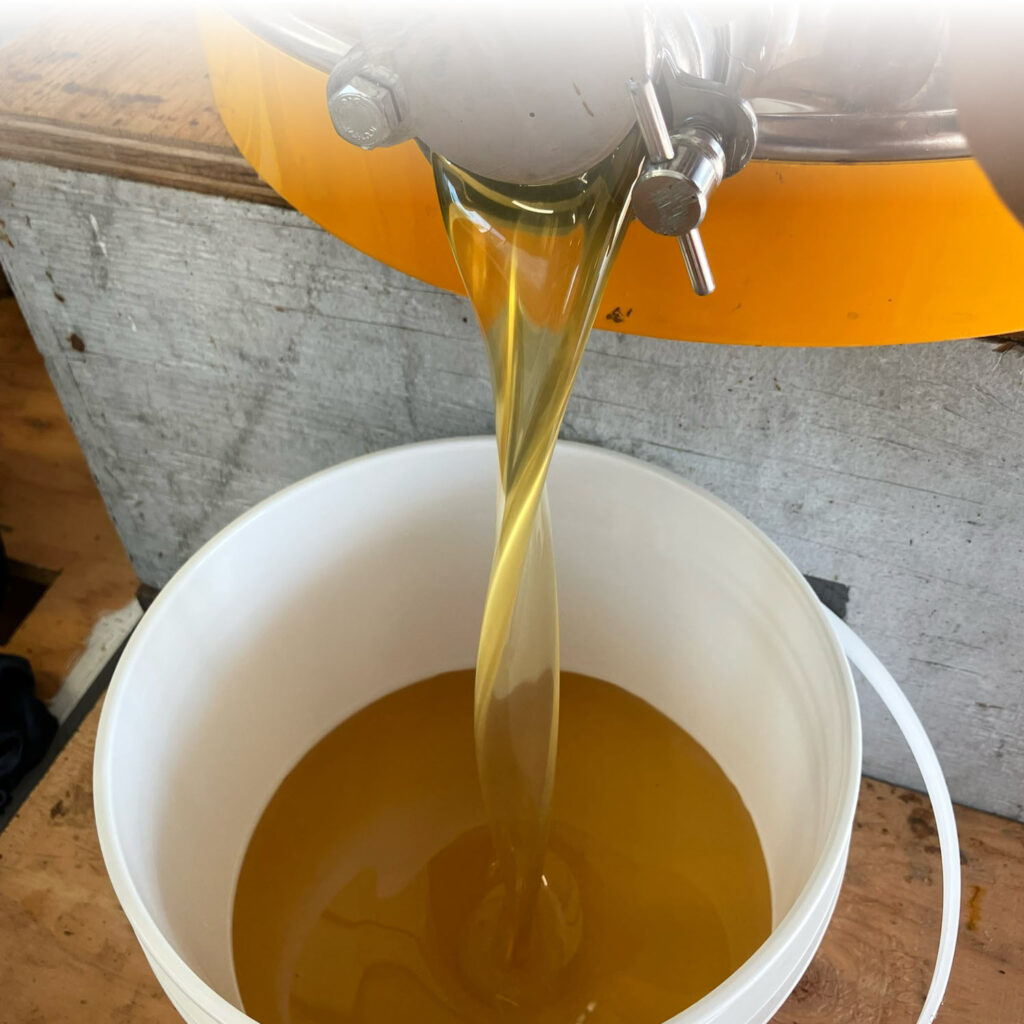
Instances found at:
x=363 y=111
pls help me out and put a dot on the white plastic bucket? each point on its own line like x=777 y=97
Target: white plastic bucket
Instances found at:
x=370 y=576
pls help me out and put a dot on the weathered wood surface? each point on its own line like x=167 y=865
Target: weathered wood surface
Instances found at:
x=128 y=96
x=209 y=352
x=52 y=516
x=67 y=954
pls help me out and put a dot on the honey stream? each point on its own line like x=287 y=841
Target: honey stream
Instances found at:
x=534 y=262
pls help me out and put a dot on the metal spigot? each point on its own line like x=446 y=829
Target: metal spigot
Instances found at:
x=713 y=137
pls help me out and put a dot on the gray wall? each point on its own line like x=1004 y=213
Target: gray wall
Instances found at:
x=209 y=352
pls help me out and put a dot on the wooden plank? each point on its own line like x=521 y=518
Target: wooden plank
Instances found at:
x=52 y=516
x=228 y=349
x=67 y=953
x=127 y=96
x=875 y=962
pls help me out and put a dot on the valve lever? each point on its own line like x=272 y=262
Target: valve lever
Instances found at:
x=696 y=262
x=713 y=135
x=651 y=121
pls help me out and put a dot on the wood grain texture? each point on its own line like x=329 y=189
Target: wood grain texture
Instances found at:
x=68 y=955
x=875 y=962
x=51 y=514
x=226 y=349
x=126 y=95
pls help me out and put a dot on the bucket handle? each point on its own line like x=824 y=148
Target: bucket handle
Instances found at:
x=861 y=656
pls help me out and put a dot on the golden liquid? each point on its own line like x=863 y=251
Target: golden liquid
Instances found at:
x=534 y=262
x=359 y=892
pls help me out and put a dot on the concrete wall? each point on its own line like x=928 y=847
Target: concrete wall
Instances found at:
x=209 y=352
